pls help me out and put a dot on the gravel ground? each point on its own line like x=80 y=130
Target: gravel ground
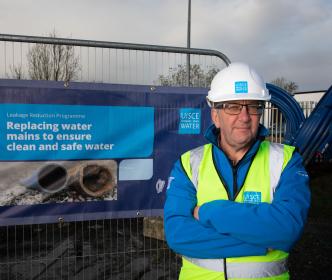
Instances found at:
x=116 y=249
x=312 y=255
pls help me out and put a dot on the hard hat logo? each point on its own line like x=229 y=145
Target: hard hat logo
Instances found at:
x=238 y=81
x=241 y=87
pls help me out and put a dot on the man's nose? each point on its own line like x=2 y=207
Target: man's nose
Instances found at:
x=244 y=114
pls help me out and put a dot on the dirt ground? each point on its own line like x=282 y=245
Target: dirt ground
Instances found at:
x=117 y=249
x=312 y=255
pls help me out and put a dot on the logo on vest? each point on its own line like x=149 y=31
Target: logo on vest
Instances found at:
x=252 y=197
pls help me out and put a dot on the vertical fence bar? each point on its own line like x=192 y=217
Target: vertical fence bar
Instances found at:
x=5 y=55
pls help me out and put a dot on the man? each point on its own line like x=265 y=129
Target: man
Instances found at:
x=236 y=206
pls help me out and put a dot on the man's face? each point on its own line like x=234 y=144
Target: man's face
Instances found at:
x=237 y=130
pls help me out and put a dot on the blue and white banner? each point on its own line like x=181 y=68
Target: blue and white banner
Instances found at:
x=92 y=151
x=67 y=132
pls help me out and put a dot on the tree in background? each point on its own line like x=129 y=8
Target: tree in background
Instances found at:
x=52 y=62
x=16 y=72
x=48 y=62
x=178 y=76
x=289 y=86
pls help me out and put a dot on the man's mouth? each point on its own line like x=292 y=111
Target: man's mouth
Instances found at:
x=242 y=127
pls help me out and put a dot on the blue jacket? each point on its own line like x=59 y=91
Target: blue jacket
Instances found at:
x=231 y=229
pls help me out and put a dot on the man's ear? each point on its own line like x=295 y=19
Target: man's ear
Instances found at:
x=214 y=117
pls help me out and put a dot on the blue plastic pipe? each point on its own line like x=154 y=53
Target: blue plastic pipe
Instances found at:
x=290 y=110
x=312 y=135
x=315 y=135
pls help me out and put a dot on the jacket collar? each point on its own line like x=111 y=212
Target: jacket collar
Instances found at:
x=211 y=134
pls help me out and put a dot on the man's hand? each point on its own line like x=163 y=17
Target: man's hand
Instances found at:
x=196 y=213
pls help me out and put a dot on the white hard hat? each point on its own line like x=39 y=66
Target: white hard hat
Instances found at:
x=238 y=81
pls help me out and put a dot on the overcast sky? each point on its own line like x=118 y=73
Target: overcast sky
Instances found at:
x=285 y=38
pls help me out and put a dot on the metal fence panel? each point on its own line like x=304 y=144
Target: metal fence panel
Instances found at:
x=105 y=249
x=112 y=62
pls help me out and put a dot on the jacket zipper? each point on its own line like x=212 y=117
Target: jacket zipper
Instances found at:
x=234 y=169
x=225 y=269
x=235 y=191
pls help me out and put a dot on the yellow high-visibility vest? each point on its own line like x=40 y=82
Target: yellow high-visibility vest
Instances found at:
x=259 y=186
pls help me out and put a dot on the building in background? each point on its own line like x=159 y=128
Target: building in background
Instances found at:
x=308 y=100
x=315 y=96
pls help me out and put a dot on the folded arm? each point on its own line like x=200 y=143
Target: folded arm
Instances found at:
x=277 y=225
x=189 y=237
